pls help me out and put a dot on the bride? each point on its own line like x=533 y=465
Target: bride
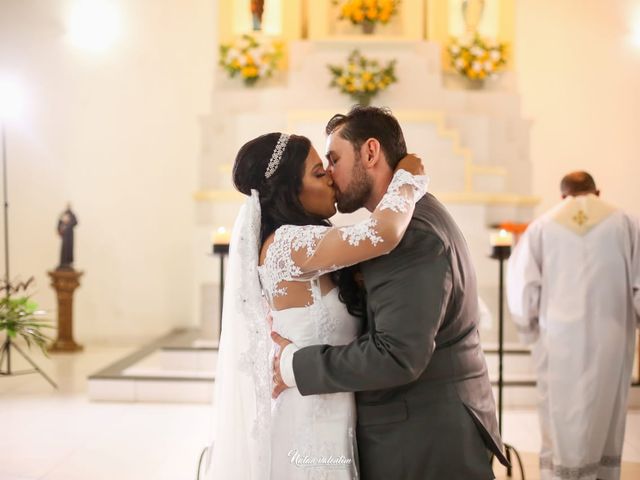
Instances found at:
x=286 y=258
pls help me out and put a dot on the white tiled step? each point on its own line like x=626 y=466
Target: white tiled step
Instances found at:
x=134 y=390
x=513 y=377
x=187 y=375
x=527 y=397
x=511 y=364
x=141 y=371
x=204 y=343
x=186 y=361
x=163 y=375
x=185 y=391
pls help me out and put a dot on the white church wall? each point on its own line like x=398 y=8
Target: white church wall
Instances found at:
x=115 y=133
x=118 y=135
x=578 y=73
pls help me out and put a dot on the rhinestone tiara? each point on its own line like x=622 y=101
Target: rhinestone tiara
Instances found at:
x=276 y=156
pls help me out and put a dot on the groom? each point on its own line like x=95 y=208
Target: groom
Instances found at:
x=424 y=401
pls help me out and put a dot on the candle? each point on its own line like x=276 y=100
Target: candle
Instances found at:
x=501 y=239
x=221 y=236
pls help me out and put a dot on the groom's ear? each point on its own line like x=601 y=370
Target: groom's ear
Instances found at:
x=370 y=152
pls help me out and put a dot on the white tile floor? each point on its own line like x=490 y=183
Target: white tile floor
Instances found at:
x=60 y=435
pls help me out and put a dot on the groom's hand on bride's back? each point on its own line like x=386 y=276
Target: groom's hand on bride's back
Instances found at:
x=278 y=383
x=412 y=164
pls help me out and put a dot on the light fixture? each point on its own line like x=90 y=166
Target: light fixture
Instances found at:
x=94 y=25
x=12 y=99
x=635 y=35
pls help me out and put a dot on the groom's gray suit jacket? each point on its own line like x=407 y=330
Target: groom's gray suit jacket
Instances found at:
x=424 y=401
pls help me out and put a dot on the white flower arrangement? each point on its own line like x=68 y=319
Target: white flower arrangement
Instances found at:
x=250 y=59
x=477 y=58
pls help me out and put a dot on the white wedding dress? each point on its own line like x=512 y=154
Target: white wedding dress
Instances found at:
x=293 y=437
x=313 y=437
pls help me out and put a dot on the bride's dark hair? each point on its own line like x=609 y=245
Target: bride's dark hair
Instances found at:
x=279 y=196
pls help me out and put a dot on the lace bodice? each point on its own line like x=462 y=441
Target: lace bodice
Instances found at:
x=317 y=425
x=295 y=324
x=304 y=253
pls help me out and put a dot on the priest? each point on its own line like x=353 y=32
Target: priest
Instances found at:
x=573 y=287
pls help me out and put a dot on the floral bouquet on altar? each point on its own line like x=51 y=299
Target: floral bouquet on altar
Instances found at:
x=250 y=59
x=477 y=58
x=367 y=12
x=362 y=78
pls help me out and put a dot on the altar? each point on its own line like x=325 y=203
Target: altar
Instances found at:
x=474 y=141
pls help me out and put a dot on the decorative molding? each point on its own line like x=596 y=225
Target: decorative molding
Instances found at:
x=485 y=198
x=482 y=198
x=433 y=117
x=436 y=118
x=489 y=170
x=231 y=196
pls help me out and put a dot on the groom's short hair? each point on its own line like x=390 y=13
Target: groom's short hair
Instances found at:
x=362 y=123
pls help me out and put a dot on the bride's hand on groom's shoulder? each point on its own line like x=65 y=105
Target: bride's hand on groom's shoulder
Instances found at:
x=412 y=164
x=278 y=383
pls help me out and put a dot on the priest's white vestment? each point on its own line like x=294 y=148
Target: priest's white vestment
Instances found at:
x=573 y=286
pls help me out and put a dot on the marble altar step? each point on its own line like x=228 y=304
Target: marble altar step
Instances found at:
x=180 y=367
x=425 y=131
x=495 y=139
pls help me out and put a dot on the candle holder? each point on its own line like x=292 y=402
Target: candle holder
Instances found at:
x=222 y=250
x=501 y=251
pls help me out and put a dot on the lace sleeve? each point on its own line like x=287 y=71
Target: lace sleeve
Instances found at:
x=306 y=252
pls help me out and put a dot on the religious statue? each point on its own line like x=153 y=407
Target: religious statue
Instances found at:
x=257 y=10
x=66 y=224
x=472 y=14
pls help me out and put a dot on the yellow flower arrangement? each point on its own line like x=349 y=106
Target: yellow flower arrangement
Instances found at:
x=250 y=59
x=477 y=58
x=362 y=78
x=361 y=11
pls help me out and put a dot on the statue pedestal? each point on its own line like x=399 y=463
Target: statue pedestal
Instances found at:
x=64 y=283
